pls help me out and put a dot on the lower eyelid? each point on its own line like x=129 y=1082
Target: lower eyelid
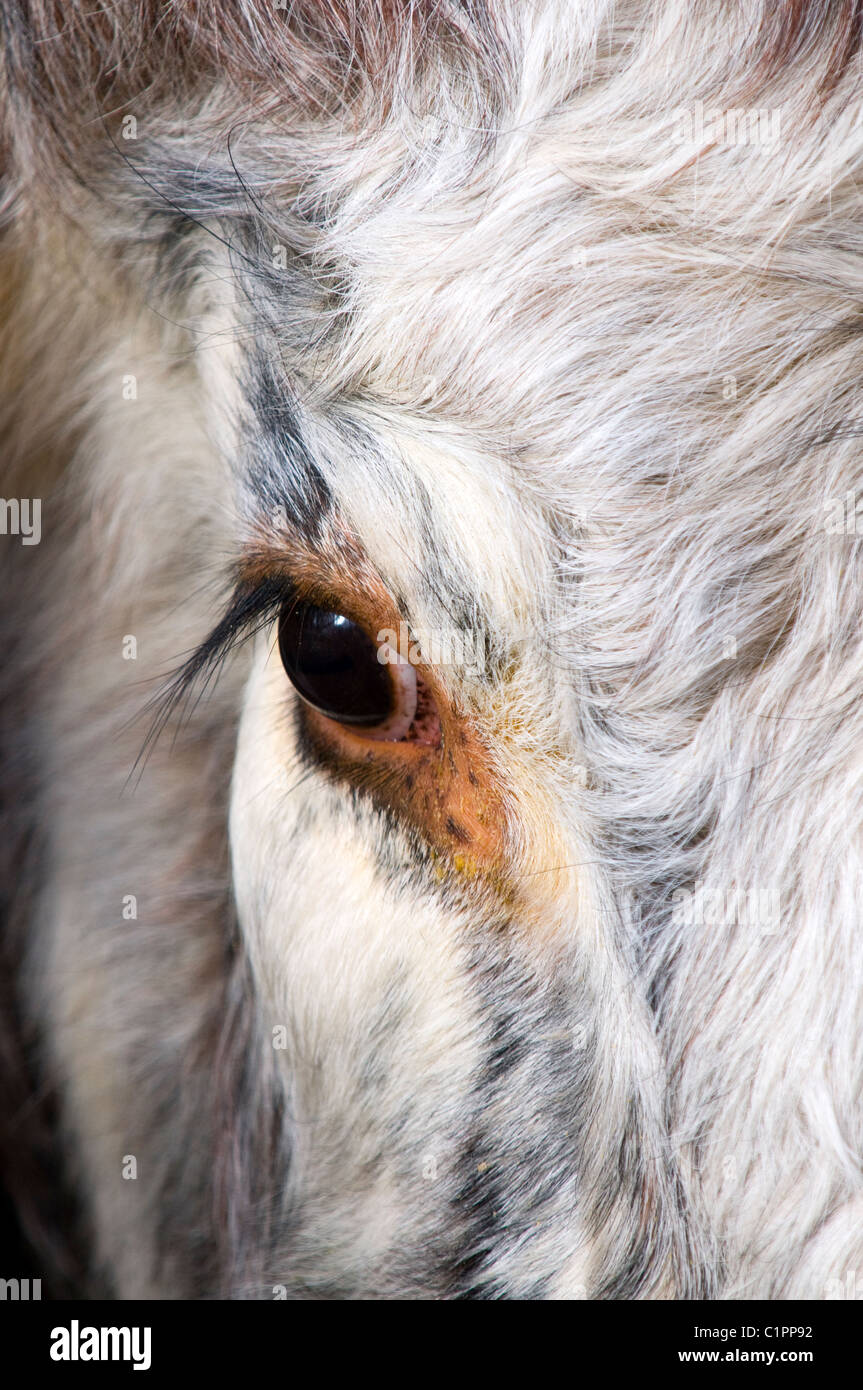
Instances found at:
x=425 y=726
x=404 y=679
x=437 y=779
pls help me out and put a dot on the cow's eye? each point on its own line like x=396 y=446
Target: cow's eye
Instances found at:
x=338 y=670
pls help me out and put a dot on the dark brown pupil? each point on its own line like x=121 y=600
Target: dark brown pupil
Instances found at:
x=334 y=665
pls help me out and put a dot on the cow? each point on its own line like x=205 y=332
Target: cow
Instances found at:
x=431 y=607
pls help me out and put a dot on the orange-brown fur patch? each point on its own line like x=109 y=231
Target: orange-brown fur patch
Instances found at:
x=452 y=795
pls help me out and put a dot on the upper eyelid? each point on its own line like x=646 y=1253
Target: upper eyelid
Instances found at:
x=264 y=579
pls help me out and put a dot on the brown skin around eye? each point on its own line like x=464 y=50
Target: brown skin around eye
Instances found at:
x=440 y=778
x=426 y=726
x=447 y=792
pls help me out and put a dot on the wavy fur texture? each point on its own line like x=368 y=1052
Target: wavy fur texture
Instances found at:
x=540 y=320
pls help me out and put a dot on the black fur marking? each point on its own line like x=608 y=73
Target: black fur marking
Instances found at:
x=514 y=1179
x=284 y=477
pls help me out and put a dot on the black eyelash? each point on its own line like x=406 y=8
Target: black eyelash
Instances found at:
x=250 y=609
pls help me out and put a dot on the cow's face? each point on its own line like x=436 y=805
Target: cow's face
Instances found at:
x=460 y=413
x=410 y=798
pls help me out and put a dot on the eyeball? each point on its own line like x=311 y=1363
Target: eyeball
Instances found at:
x=338 y=670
